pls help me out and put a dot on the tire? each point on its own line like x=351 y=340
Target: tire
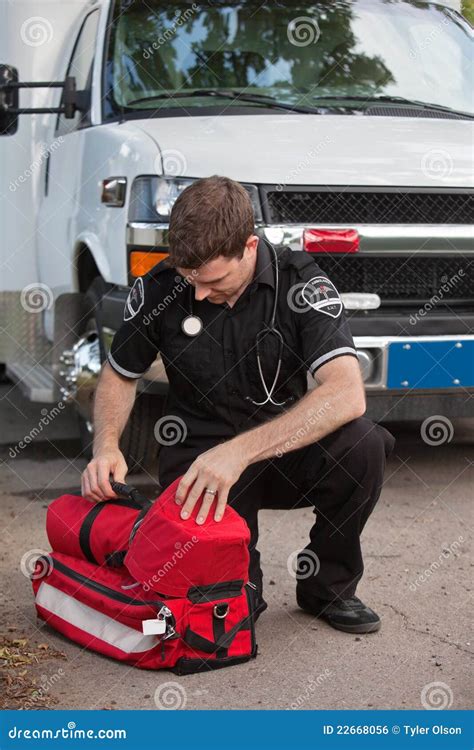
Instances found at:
x=138 y=443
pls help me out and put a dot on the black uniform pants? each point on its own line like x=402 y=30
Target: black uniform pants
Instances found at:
x=341 y=477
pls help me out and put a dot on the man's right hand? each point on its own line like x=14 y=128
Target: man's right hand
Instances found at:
x=95 y=483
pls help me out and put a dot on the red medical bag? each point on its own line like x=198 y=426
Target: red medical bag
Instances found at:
x=166 y=553
x=97 y=532
x=201 y=620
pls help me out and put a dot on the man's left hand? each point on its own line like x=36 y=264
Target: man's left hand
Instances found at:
x=217 y=469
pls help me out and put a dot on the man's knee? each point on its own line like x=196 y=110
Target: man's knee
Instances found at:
x=361 y=445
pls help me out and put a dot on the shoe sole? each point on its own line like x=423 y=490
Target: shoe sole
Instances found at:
x=357 y=629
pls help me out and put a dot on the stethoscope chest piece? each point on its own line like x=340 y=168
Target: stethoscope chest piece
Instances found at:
x=192 y=325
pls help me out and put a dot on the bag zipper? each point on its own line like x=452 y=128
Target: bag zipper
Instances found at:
x=102 y=589
x=221 y=590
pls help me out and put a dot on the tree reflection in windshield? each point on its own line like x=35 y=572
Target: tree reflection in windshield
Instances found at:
x=289 y=51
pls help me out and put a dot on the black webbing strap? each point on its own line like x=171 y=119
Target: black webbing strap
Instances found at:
x=88 y=522
x=85 y=532
x=197 y=641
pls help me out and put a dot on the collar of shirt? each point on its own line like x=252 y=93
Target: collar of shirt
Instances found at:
x=264 y=271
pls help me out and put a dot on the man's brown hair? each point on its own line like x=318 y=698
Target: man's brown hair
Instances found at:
x=213 y=216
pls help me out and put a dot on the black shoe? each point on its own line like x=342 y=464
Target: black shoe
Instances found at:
x=350 y=615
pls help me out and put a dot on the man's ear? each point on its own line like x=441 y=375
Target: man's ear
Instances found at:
x=252 y=242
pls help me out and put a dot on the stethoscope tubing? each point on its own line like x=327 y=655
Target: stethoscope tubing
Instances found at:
x=194 y=323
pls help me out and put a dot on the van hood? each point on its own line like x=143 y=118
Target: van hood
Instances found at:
x=317 y=149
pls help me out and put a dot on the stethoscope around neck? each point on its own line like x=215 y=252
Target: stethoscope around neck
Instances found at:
x=192 y=325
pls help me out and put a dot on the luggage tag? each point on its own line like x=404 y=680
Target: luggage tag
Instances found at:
x=154 y=627
x=158 y=625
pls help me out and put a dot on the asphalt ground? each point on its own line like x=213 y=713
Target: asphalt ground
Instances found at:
x=418 y=578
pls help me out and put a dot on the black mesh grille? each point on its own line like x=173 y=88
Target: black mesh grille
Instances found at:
x=402 y=278
x=345 y=207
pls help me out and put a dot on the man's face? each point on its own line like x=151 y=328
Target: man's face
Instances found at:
x=222 y=278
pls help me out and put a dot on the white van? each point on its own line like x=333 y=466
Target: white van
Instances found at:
x=350 y=123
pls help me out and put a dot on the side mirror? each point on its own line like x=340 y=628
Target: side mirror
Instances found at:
x=8 y=100
x=72 y=100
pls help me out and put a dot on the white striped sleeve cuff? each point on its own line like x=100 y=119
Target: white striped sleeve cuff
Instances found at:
x=331 y=355
x=121 y=370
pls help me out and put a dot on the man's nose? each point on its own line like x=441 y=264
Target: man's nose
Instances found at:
x=200 y=292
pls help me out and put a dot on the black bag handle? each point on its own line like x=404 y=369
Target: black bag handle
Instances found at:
x=126 y=490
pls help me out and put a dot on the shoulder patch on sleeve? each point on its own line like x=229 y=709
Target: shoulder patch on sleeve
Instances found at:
x=321 y=294
x=135 y=300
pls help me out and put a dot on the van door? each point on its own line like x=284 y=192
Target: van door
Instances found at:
x=60 y=208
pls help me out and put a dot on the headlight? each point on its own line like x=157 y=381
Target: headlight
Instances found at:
x=152 y=198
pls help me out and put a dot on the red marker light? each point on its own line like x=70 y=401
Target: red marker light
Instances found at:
x=330 y=240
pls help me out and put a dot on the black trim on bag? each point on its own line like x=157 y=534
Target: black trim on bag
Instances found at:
x=186 y=666
x=86 y=527
x=218 y=629
x=251 y=597
x=223 y=590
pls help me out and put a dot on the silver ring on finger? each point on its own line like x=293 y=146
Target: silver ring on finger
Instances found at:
x=210 y=492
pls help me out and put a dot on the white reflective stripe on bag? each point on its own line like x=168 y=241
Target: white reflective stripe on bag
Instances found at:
x=91 y=621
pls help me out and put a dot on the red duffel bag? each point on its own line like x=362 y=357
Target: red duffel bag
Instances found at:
x=96 y=532
x=167 y=554
x=105 y=610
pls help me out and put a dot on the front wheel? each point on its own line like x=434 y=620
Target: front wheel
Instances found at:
x=138 y=443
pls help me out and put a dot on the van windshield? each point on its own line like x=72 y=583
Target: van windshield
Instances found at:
x=184 y=57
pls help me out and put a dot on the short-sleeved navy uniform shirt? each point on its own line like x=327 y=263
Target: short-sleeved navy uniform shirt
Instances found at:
x=213 y=376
